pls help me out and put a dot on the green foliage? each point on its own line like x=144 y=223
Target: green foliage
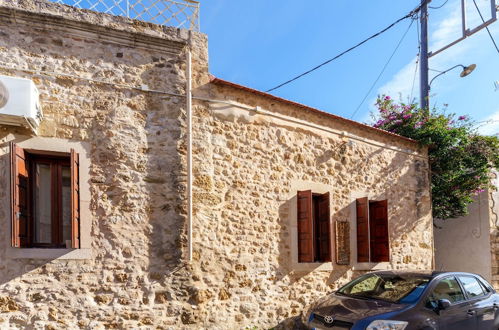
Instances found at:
x=461 y=160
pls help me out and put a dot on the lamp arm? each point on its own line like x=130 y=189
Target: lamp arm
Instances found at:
x=444 y=72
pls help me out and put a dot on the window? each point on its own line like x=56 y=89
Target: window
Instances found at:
x=388 y=287
x=372 y=231
x=472 y=287
x=45 y=199
x=447 y=288
x=314 y=233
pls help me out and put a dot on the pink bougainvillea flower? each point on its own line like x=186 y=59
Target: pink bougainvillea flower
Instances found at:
x=387 y=98
x=462 y=118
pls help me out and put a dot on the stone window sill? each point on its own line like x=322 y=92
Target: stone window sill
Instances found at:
x=49 y=254
x=313 y=266
x=371 y=266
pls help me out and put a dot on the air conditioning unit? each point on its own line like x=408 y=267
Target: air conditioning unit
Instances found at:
x=19 y=103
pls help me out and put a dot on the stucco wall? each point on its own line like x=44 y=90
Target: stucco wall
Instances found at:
x=463 y=244
x=471 y=243
x=247 y=168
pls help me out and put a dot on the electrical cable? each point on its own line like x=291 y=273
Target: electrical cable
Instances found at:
x=417 y=61
x=382 y=70
x=411 y=14
x=439 y=6
x=490 y=34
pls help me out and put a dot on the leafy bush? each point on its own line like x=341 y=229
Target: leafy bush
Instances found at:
x=461 y=160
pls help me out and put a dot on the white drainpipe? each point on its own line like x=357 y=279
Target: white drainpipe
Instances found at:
x=189 y=155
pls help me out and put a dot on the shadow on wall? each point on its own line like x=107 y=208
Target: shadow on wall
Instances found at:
x=404 y=205
x=10 y=269
x=138 y=217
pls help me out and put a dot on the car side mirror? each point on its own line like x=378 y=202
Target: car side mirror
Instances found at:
x=443 y=304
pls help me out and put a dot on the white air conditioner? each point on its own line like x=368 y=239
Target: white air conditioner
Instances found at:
x=19 y=103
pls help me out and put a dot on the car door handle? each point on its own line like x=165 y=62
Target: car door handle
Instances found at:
x=471 y=313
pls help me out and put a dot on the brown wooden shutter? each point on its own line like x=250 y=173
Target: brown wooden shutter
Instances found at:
x=362 y=230
x=75 y=200
x=19 y=196
x=305 y=227
x=378 y=220
x=323 y=227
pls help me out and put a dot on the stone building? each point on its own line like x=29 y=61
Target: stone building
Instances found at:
x=95 y=207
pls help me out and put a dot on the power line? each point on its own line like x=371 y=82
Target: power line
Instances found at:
x=490 y=34
x=411 y=14
x=417 y=61
x=439 y=6
x=382 y=70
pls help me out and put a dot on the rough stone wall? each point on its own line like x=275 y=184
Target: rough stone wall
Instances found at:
x=245 y=170
x=245 y=165
x=135 y=276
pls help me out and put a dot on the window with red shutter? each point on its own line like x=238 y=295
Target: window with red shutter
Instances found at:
x=314 y=228
x=378 y=225
x=45 y=199
x=75 y=200
x=323 y=230
x=305 y=227
x=19 y=196
x=362 y=230
x=373 y=244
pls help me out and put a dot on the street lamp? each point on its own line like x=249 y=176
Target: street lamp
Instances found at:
x=466 y=71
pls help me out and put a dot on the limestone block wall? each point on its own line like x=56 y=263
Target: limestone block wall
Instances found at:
x=114 y=88
x=248 y=168
x=90 y=69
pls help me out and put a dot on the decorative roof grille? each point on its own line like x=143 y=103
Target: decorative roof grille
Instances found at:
x=180 y=13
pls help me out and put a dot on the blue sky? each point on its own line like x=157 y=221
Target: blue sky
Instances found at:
x=262 y=43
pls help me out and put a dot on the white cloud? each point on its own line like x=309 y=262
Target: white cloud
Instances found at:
x=491 y=125
x=402 y=83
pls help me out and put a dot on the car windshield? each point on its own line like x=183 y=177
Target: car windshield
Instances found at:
x=389 y=287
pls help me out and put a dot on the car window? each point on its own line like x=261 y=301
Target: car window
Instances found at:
x=472 y=286
x=484 y=284
x=447 y=288
x=368 y=284
x=400 y=288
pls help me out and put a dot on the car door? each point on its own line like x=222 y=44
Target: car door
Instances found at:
x=482 y=302
x=458 y=316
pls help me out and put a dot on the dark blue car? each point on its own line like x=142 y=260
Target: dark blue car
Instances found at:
x=408 y=300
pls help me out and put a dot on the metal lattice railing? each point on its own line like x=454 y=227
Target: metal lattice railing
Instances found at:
x=180 y=13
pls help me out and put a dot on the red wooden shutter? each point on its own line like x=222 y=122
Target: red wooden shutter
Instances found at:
x=75 y=200
x=323 y=227
x=378 y=220
x=362 y=230
x=19 y=196
x=305 y=227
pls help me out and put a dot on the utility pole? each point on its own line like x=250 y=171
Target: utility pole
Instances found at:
x=425 y=55
x=423 y=80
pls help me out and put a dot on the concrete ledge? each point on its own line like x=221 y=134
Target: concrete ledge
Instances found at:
x=49 y=254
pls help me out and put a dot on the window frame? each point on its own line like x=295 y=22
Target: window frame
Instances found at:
x=30 y=157
x=56 y=163
x=365 y=223
x=308 y=224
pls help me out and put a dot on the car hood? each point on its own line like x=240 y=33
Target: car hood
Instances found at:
x=352 y=309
